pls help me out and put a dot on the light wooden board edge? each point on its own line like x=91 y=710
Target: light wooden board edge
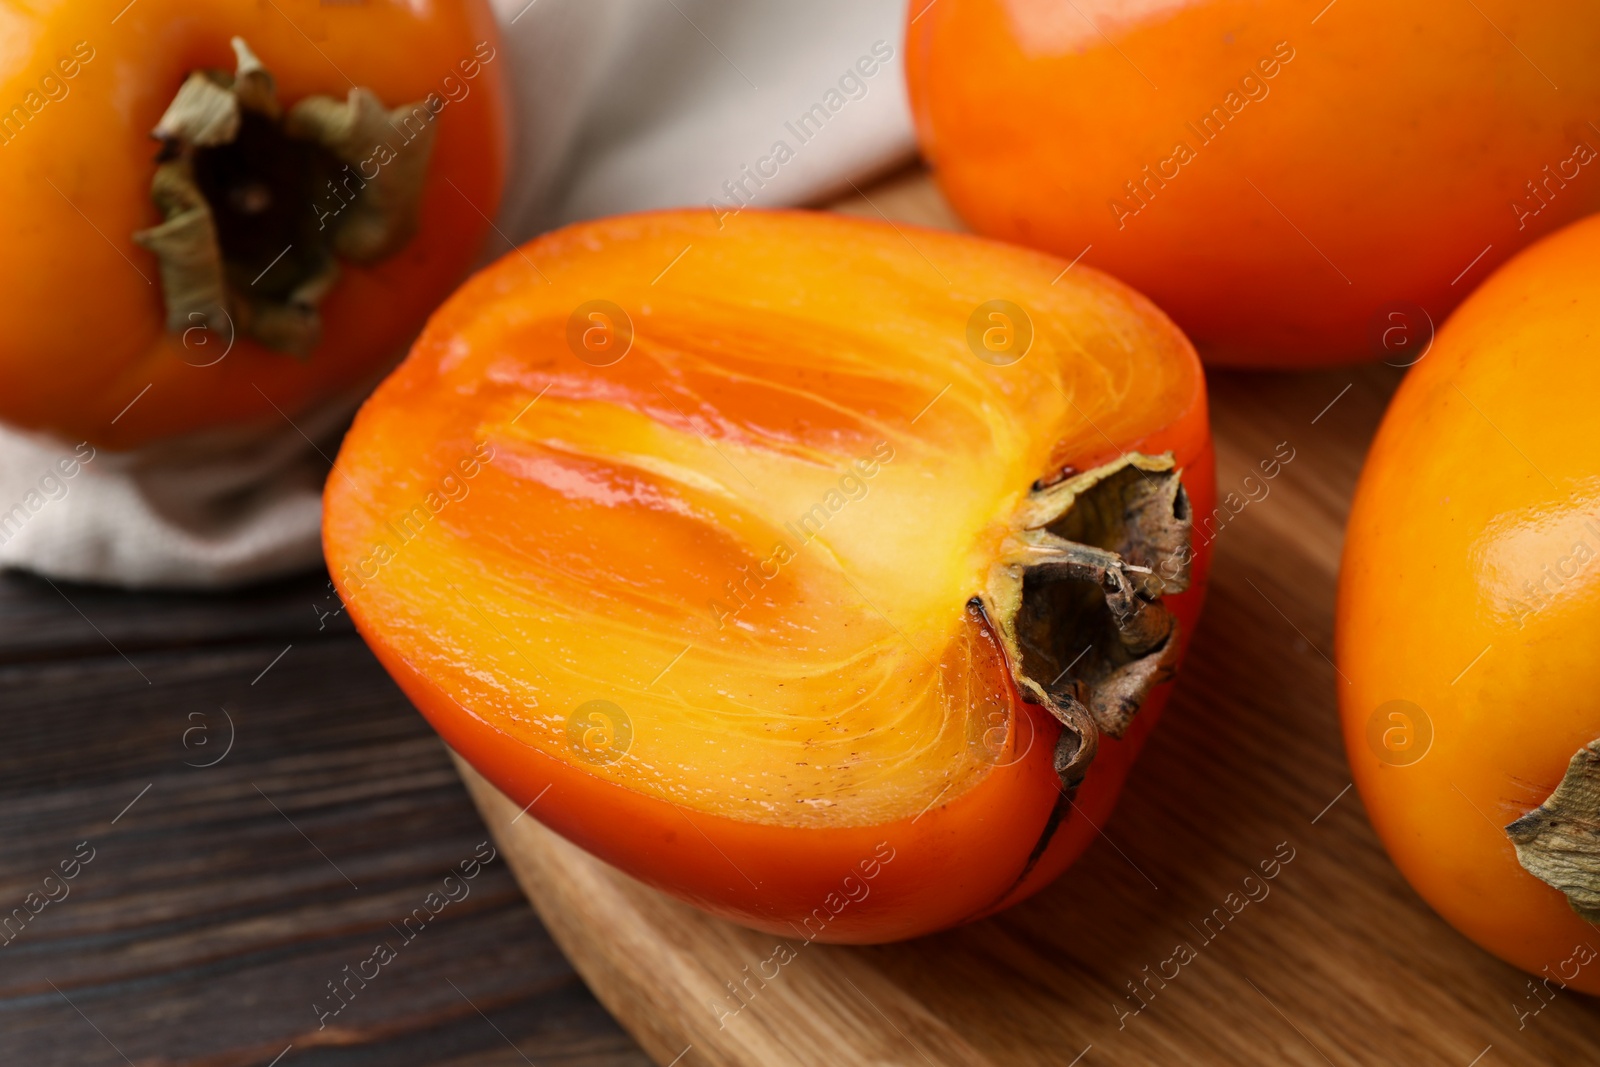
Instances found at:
x=805 y=1005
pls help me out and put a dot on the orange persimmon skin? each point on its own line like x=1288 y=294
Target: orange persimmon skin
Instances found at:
x=1470 y=588
x=1358 y=166
x=89 y=334
x=495 y=358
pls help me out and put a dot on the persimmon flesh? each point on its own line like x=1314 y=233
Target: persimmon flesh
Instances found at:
x=1469 y=617
x=725 y=551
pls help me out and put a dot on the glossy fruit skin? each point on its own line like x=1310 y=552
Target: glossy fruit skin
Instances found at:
x=76 y=179
x=1368 y=157
x=1479 y=489
x=773 y=281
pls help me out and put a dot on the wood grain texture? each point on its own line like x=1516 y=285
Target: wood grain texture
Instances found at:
x=1340 y=964
x=216 y=907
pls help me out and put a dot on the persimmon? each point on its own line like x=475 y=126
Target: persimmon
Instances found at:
x=223 y=214
x=1469 y=617
x=825 y=575
x=1293 y=184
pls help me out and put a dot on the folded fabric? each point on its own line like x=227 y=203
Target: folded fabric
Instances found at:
x=208 y=510
x=631 y=104
x=619 y=105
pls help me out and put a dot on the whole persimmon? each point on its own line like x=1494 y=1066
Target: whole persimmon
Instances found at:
x=1294 y=183
x=825 y=575
x=1469 y=617
x=223 y=213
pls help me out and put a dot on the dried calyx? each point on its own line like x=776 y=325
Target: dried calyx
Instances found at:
x=1559 y=841
x=259 y=205
x=1076 y=598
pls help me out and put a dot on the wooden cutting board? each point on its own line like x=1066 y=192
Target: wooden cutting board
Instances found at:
x=1339 y=963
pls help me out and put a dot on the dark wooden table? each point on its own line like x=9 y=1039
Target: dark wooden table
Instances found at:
x=221 y=900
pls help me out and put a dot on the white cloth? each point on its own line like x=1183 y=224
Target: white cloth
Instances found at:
x=618 y=105
x=208 y=510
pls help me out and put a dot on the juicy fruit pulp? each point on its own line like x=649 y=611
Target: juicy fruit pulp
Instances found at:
x=691 y=521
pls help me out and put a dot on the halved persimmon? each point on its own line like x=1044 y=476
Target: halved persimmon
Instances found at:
x=810 y=570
